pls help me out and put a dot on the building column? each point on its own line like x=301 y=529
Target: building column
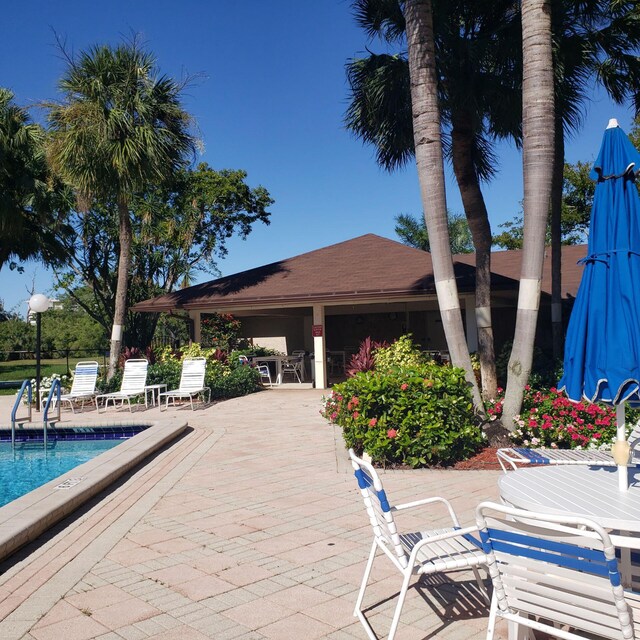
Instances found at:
x=471 y=323
x=197 y=329
x=319 y=347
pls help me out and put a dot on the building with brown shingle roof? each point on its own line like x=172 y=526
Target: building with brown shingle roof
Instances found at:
x=334 y=297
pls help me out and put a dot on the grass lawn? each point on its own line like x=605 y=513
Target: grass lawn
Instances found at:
x=26 y=369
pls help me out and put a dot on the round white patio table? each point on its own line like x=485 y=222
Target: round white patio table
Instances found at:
x=591 y=492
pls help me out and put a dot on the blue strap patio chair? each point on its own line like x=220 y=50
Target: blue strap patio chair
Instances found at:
x=554 y=574
x=413 y=554
x=516 y=457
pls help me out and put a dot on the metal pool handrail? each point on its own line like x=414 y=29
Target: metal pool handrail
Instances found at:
x=55 y=388
x=26 y=384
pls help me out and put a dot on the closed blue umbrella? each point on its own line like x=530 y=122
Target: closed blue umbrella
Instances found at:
x=602 y=349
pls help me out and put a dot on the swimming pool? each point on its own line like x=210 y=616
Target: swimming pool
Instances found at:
x=30 y=464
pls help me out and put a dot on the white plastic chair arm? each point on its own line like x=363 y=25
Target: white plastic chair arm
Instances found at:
x=419 y=503
x=457 y=533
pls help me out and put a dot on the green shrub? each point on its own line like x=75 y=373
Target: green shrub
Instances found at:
x=165 y=372
x=402 y=353
x=240 y=381
x=416 y=416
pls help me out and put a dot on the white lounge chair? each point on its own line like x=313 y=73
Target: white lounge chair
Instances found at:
x=419 y=553
x=516 y=457
x=191 y=383
x=555 y=574
x=83 y=386
x=134 y=380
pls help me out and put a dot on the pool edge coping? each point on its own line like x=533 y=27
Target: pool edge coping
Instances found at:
x=26 y=518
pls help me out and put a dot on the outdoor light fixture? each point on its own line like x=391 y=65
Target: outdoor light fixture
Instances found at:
x=38 y=303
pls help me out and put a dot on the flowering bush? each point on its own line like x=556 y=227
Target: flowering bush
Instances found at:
x=416 y=416
x=550 y=419
x=45 y=385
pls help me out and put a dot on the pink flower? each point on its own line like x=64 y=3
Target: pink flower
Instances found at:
x=392 y=433
x=356 y=415
x=373 y=422
x=404 y=386
x=334 y=415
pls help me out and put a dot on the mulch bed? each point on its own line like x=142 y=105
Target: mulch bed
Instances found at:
x=485 y=460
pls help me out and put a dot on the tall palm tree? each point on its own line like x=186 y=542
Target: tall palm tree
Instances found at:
x=477 y=67
x=119 y=129
x=429 y=159
x=32 y=207
x=594 y=40
x=538 y=124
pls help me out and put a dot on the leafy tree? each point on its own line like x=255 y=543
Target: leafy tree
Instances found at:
x=178 y=231
x=120 y=130
x=577 y=200
x=32 y=205
x=413 y=232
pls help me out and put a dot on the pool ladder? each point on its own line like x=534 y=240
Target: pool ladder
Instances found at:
x=26 y=386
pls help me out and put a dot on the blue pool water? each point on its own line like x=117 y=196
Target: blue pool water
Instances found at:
x=30 y=465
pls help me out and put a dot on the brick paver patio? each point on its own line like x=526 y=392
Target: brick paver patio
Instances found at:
x=250 y=526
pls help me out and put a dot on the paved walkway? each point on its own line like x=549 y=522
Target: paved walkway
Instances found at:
x=250 y=526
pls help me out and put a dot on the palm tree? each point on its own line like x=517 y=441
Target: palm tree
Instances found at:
x=413 y=232
x=120 y=128
x=477 y=67
x=429 y=159
x=32 y=207
x=593 y=40
x=538 y=123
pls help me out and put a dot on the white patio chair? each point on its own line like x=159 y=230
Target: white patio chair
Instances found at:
x=420 y=553
x=264 y=372
x=83 y=386
x=191 y=383
x=516 y=457
x=134 y=379
x=293 y=367
x=555 y=574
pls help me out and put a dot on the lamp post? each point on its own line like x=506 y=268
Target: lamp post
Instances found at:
x=38 y=303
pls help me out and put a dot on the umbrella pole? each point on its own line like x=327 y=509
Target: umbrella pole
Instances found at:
x=621 y=449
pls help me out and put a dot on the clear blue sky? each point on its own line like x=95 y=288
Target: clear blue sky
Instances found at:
x=270 y=100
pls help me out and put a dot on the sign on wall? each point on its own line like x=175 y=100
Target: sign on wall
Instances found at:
x=316 y=330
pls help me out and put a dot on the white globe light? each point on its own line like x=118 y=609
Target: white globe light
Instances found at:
x=38 y=303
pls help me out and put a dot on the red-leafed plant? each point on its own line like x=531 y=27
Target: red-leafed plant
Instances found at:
x=363 y=359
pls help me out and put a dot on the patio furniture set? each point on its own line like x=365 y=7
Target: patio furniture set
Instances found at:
x=134 y=385
x=558 y=551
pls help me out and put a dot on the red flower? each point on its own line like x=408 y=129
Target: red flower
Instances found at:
x=392 y=433
x=356 y=415
x=404 y=386
x=373 y=422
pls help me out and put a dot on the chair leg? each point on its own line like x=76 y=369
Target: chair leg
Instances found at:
x=401 y=599
x=493 y=609
x=363 y=587
x=481 y=586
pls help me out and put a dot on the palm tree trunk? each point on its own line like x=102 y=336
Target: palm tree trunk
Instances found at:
x=538 y=125
x=556 y=242
x=428 y=150
x=124 y=263
x=476 y=212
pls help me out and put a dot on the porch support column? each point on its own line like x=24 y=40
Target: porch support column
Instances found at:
x=319 y=347
x=197 y=331
x=471 y=322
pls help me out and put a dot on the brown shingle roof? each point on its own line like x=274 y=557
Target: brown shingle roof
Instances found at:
x=367 y=267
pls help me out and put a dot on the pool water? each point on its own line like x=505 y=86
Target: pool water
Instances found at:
x=29 y=465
